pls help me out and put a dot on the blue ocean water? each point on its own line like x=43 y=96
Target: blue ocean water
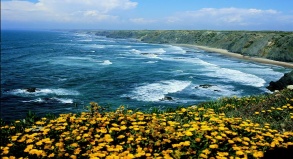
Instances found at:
x=71 y=69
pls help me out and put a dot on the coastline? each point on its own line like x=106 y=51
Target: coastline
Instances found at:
x=236 y=55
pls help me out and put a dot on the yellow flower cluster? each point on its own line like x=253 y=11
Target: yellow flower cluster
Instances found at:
x=288 y=107
x=194 y=132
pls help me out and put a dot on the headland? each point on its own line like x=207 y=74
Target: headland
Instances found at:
x=270 y=47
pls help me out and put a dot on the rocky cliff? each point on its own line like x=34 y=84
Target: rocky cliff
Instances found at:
x=271 y=45
x=282 y=83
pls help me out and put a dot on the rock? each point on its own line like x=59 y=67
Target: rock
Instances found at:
x=282 y=83
x=205 y=85
x=31 y=89
x=167 y=98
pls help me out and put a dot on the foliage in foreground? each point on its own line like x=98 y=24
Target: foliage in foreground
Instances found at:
x=210 y=130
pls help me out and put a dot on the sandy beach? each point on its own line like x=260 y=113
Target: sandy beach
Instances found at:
x=236 y=55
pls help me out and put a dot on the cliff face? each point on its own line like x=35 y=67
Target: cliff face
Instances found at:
x=272 y=45
x=282 y=83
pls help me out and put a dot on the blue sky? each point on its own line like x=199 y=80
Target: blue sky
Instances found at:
x=148 y=14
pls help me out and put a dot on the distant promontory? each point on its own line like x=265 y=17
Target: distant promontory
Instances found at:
x=274 y=45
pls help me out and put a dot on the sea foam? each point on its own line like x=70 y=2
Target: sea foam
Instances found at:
x=50 y=100
x=106 y=62
x=43 y=92
x=157 y=91
x=213 y=70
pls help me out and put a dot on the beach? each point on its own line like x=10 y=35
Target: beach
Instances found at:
x=236 y=55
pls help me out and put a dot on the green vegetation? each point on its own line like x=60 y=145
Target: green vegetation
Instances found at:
x=272 y=45
x=244 y=127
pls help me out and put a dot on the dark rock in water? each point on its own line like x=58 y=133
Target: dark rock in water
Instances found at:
x=217 y=90
x=205 y=85
x=31 y=89
x=282 y=83
x=167 y=98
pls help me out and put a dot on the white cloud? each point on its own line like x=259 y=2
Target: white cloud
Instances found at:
x=227 y=16
x=63 y=10
x=142 y=21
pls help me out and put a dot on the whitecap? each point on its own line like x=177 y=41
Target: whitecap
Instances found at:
x=38 y=100
x=96 y=46
x=107 y=62
x=238 y=76
x=135 y=51
x=157 y=91
x=86 y=40
x=151 y=62
x=64 y=100
x=151 y=56
x=177 y=49
x=62 y=79
x=50 y=100
x=215 y=91
x=157 y=51
x=148 y=51
x=78 y=58
x=214 y=70
x=42 y=92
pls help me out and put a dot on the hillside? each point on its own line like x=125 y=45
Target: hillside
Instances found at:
x=271 y=45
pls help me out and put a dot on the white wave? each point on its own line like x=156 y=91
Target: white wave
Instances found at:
x=78 y=58
x=216 y=91
x=135 y=51
x=96 y=46
x=230 y=74
x=157 y=51
x=238 y=76
x=42 y=92
x=145 y=53
x=86 y=40
x=157 y=91
x=106 y=62
x=152 y=56
x=64 y=100
x=50 y=100
x=177 y=49
x=38 y=100
x=148 y=51
x=152 y=62
x=62 y=79
x=81 y=34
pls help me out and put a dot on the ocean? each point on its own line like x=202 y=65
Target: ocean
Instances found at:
x=67 y=70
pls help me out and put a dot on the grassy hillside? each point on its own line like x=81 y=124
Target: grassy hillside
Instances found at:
x=234 y=127
x=272 y=45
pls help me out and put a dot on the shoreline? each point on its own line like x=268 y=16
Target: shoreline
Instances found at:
x=236 y=55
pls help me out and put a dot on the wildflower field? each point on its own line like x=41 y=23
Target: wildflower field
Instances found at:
x=231 y=127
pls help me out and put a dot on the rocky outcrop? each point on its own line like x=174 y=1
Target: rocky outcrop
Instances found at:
x=31 y=89
x=271 y=44
x=282 y=83
x=167 y=98
x=205 y=85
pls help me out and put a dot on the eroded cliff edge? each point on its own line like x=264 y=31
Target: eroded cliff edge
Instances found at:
x=270 y=44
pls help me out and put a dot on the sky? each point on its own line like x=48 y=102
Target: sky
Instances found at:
x=148 y=14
